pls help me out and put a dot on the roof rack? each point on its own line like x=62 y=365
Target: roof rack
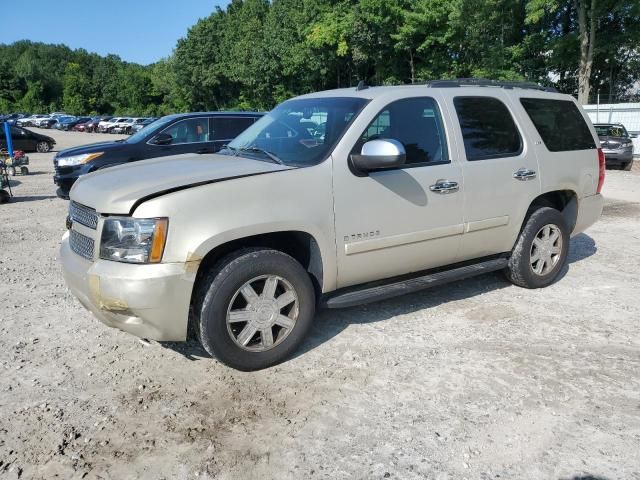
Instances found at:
x=483 y=82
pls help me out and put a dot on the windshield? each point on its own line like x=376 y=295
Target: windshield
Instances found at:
x=611 y=131
x=298 y=132
x=142 y=133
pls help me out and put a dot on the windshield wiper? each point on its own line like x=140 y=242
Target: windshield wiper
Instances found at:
x=253 y=148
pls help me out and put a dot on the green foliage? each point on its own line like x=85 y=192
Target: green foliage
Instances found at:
x=254 y=54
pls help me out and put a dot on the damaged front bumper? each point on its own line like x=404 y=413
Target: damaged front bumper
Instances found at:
x=149 y=301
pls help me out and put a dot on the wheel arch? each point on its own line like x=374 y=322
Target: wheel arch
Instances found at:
x=300 y=245
x=565 y=201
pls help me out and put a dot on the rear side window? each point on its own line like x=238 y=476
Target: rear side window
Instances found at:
x=488 y=128
x=559 y=123
x=228 y=128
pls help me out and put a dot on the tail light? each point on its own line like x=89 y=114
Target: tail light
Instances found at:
x=601 y=167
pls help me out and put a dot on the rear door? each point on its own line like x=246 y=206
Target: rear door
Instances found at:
x=500 y=169
x=223 y=129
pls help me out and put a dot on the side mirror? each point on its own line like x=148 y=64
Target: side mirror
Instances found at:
x=162 y=139
x=634 y=135
x=379 y=154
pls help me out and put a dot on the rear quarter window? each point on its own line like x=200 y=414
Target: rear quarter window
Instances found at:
x=559 y=123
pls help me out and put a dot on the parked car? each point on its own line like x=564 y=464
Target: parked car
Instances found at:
x=12 y=118
x=65 y=123
x=616 y=144
x=122 y=126
x=171 y=135
x=92 y=125
x=27 y=141
x=106 y=125
x=49 y=122
x=408 y=187
x=140 y=123
x=30 y=120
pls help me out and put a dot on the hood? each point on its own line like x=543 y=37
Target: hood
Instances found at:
x=91 y=148
x=117 y=190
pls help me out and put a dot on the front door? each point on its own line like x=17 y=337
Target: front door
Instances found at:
x=399 y=220
x=190 y=135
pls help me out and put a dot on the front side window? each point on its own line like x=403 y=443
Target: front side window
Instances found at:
x=559 y=123
x=417 y=124
x=191 y=130
x=488 y=129
x=228 y=128
x=300 y=132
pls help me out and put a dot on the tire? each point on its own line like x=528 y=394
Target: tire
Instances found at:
x=285 y=310
x=627 y=166
x=43 y=147
x=4 y=196
x=523 y=270
x=24 y=170
x=11 y=171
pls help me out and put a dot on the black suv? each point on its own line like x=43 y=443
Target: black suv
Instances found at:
x=204 y=132
x=616 y=144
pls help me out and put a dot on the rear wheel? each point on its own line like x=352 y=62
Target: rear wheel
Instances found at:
x=254 y=309
x=541 y=250
x=4 y=196
x=24 y=170
x=11 y=171
x=627 y=166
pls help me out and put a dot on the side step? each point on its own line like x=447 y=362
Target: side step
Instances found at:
x=382 y=292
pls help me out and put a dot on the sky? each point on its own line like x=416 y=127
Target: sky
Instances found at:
x=141 y=31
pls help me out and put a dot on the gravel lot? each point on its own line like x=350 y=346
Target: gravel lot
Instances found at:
x=476 y=380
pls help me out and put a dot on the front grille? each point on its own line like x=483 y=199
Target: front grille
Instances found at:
x=81 y=244
x=83 y=215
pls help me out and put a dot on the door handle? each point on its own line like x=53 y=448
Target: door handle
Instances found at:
x=444 y=186
x=524 y=174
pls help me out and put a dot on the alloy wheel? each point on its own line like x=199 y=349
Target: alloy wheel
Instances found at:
x=258 y=322
x=546 y=249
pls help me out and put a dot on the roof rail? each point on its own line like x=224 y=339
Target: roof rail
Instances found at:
x=483 y=82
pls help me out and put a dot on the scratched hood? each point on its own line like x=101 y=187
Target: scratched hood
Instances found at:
x=118 y=189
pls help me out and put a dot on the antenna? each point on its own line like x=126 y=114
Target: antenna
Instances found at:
x=361 y=86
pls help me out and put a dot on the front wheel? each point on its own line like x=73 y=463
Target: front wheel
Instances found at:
x=541 y=250
x=11 y=171
x=254 y=309
x=43 y=147
x=24 y=170
x=628 y=166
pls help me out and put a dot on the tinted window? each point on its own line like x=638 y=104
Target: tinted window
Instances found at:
x=300 y=131
x=228 y=128
x=559 y=123
x=416 y=123
x=192 y=130
x=487 y=127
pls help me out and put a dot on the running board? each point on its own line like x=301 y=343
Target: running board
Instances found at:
x=393 y=289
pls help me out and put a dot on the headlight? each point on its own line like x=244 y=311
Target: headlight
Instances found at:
x=133 y=240
x=77 y=159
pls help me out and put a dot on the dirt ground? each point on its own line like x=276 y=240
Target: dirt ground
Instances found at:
x=473 y=380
